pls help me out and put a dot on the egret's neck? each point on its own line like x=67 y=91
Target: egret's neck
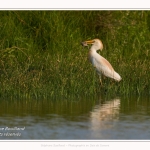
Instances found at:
x=94 y=48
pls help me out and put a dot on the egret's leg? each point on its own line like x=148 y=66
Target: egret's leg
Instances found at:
x=100 y=79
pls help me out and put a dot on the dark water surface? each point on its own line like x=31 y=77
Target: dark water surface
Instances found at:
x=84 y=118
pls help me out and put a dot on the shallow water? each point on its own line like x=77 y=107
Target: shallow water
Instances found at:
x=84 y=118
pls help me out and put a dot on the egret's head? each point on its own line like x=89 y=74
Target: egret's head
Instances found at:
x=96 y=44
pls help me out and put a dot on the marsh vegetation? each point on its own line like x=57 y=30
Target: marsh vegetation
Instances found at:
x=41 y=55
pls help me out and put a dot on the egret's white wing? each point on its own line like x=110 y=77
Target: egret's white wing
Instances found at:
x=104 y=67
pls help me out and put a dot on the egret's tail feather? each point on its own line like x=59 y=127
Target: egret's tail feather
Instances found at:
x=116 y=76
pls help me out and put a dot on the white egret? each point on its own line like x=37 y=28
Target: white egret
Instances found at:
x=101 y=65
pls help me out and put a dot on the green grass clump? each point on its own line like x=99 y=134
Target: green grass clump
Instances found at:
x=41 y=55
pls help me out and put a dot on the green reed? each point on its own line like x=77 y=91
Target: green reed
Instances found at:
x=41 y=55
